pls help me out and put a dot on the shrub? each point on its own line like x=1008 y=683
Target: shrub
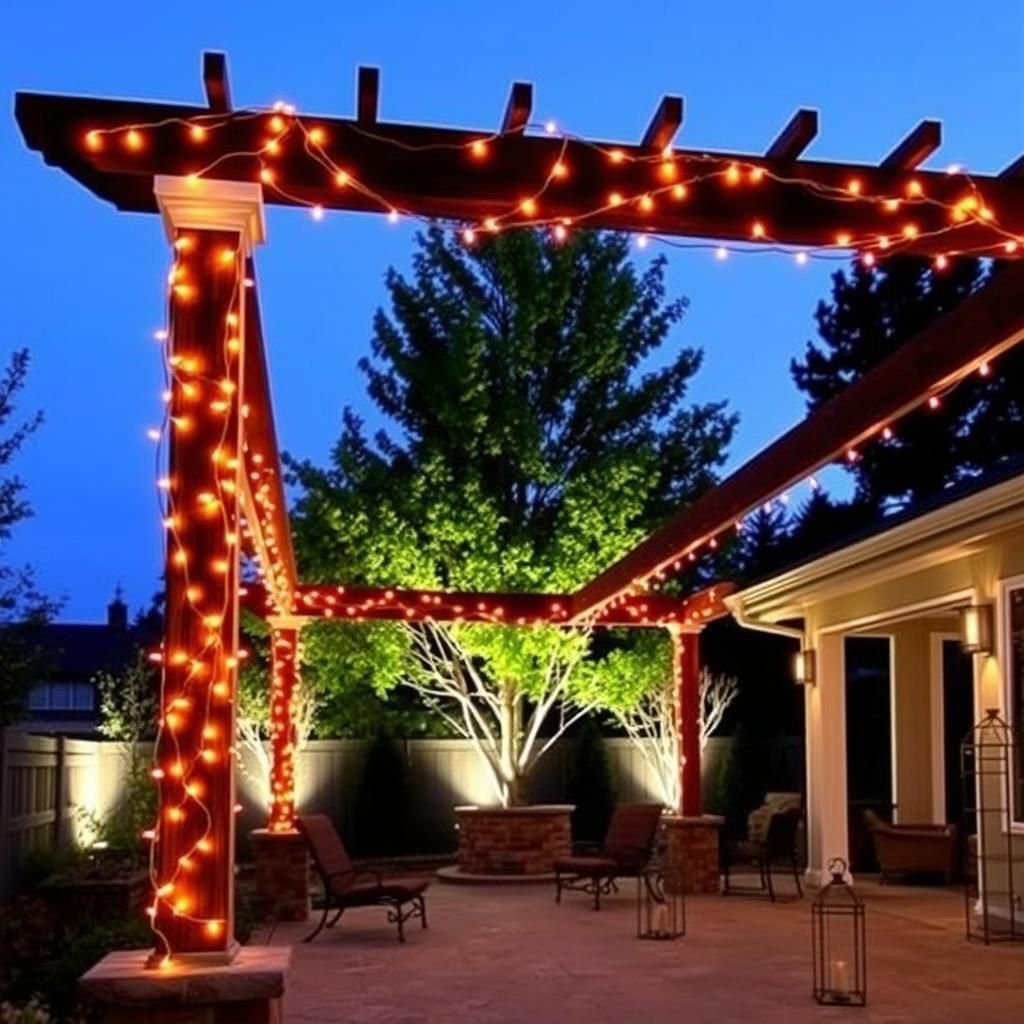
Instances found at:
x=382 y=802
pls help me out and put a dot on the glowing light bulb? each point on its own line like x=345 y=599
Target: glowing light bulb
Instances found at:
x=910 y=230
x=887 y=433
x=550 y=127
x=854 y=186
x=891 y=205
x=317 y=136
x=197 y=133
x=1011 y=246
x=914 y=188
x=277 y=123
x=934 y=402
x=133 y=139
x=214 y=929
x=801 y=258
x=721 y=253
x=615 y=199
x=646 y=203
x=469 y=236
x=732 y=174
x=392 y=216
x=757 y=230
x=266 y=175
x=528 y=206
x=868 y=259
x=756 y=175
x=641 y=241
x=153 y=434
x=317 y=212
x=341 y=178
x=479 y=149
x=679 y=191
x=94 y=140
x=984 y=369
x=175 y=815
x=941 y=262
x=851 y=455
x=843 y=238
x=616 y=156
x=560 y=169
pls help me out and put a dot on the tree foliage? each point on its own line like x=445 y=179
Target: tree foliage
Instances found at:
x=872 y=311
x=537 y=425
x=23 y=608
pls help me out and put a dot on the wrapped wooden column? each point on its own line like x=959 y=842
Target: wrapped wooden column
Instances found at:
x=686 y=662
x=193 y=853
x=284 y=654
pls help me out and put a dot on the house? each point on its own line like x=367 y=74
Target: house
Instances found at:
x=939 y=591
x=73 y=654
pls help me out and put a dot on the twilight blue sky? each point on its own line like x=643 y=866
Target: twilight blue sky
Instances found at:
x=82 y=285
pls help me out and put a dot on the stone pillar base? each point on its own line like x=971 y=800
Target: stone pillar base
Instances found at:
x=281 y=860
x=691 y=849
x=246 y=991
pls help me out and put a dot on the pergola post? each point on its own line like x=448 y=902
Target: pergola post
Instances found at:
x=280 y=856
x=691 y=837
x=212 y=226
x=686 y=662
x=284 y=677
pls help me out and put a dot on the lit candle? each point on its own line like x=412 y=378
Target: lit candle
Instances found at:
x=841 y=978
x=661 y=919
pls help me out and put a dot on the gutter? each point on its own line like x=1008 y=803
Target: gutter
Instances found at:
x=739 y=613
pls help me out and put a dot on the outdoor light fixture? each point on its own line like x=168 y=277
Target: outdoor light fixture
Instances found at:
x=976 y=628
x=803 y=668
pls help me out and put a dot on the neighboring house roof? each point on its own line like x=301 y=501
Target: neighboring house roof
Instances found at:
x=79 y=651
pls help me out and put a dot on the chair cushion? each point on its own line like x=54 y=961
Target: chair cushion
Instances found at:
x=368 y=892
x=760 y=818
x=586 y=866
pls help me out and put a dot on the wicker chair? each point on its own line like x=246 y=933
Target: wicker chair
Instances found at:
x=913 y=849
x=346 y=886
x=625 y=852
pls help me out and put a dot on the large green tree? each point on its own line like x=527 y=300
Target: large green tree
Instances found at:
x=23 y=609
x=872 y=311
x=537 y=424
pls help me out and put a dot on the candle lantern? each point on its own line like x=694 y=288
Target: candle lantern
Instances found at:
x=660 y=903
x=839 y=942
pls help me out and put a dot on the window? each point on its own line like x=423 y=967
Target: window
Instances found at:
x=62 y=697
x=1015 y=685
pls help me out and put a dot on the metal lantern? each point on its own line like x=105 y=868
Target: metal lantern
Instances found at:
x=660 y=903
x=995 y=866
x=838 y=938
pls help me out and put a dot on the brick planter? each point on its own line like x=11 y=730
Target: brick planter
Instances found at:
x=281 y=871
x=691 y=847
x=512 y=840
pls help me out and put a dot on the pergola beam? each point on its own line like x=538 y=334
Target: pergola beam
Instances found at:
x=367 y=95
x=396 y=604
x=798 y=133
x=263 y=494
x=518 y=108
x=974 y=332
x=432 y=172
x=215 y=82
x=916 y=147
x=664 y=124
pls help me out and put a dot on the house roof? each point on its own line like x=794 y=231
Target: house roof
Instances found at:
x=970 y=509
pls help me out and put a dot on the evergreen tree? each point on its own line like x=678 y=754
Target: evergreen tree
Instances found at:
x=873 y=311
x=528 y=445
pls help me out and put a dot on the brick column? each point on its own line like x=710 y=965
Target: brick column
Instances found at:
x=691 y=849
x=281 y=861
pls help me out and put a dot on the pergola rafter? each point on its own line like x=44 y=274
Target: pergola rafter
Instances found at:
x=214 y=167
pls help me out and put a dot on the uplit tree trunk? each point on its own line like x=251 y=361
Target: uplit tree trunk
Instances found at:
x=653 y=725
x=504 y=729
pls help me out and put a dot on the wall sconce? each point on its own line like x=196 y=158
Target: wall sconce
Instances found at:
x=976 y=628
x=803 y=668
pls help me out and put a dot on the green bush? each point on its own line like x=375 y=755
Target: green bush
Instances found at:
x=591 y=786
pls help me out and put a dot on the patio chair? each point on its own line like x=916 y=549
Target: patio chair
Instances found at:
x=777 y=846
x=594 y=867
x=913 y=849
x=346 y=886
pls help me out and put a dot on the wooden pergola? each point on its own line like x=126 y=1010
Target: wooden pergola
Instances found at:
x=209 y=169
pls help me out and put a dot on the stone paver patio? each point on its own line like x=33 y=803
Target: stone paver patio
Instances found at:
x=496 y=955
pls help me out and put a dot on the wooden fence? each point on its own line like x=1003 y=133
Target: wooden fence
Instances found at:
x=51 y=786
